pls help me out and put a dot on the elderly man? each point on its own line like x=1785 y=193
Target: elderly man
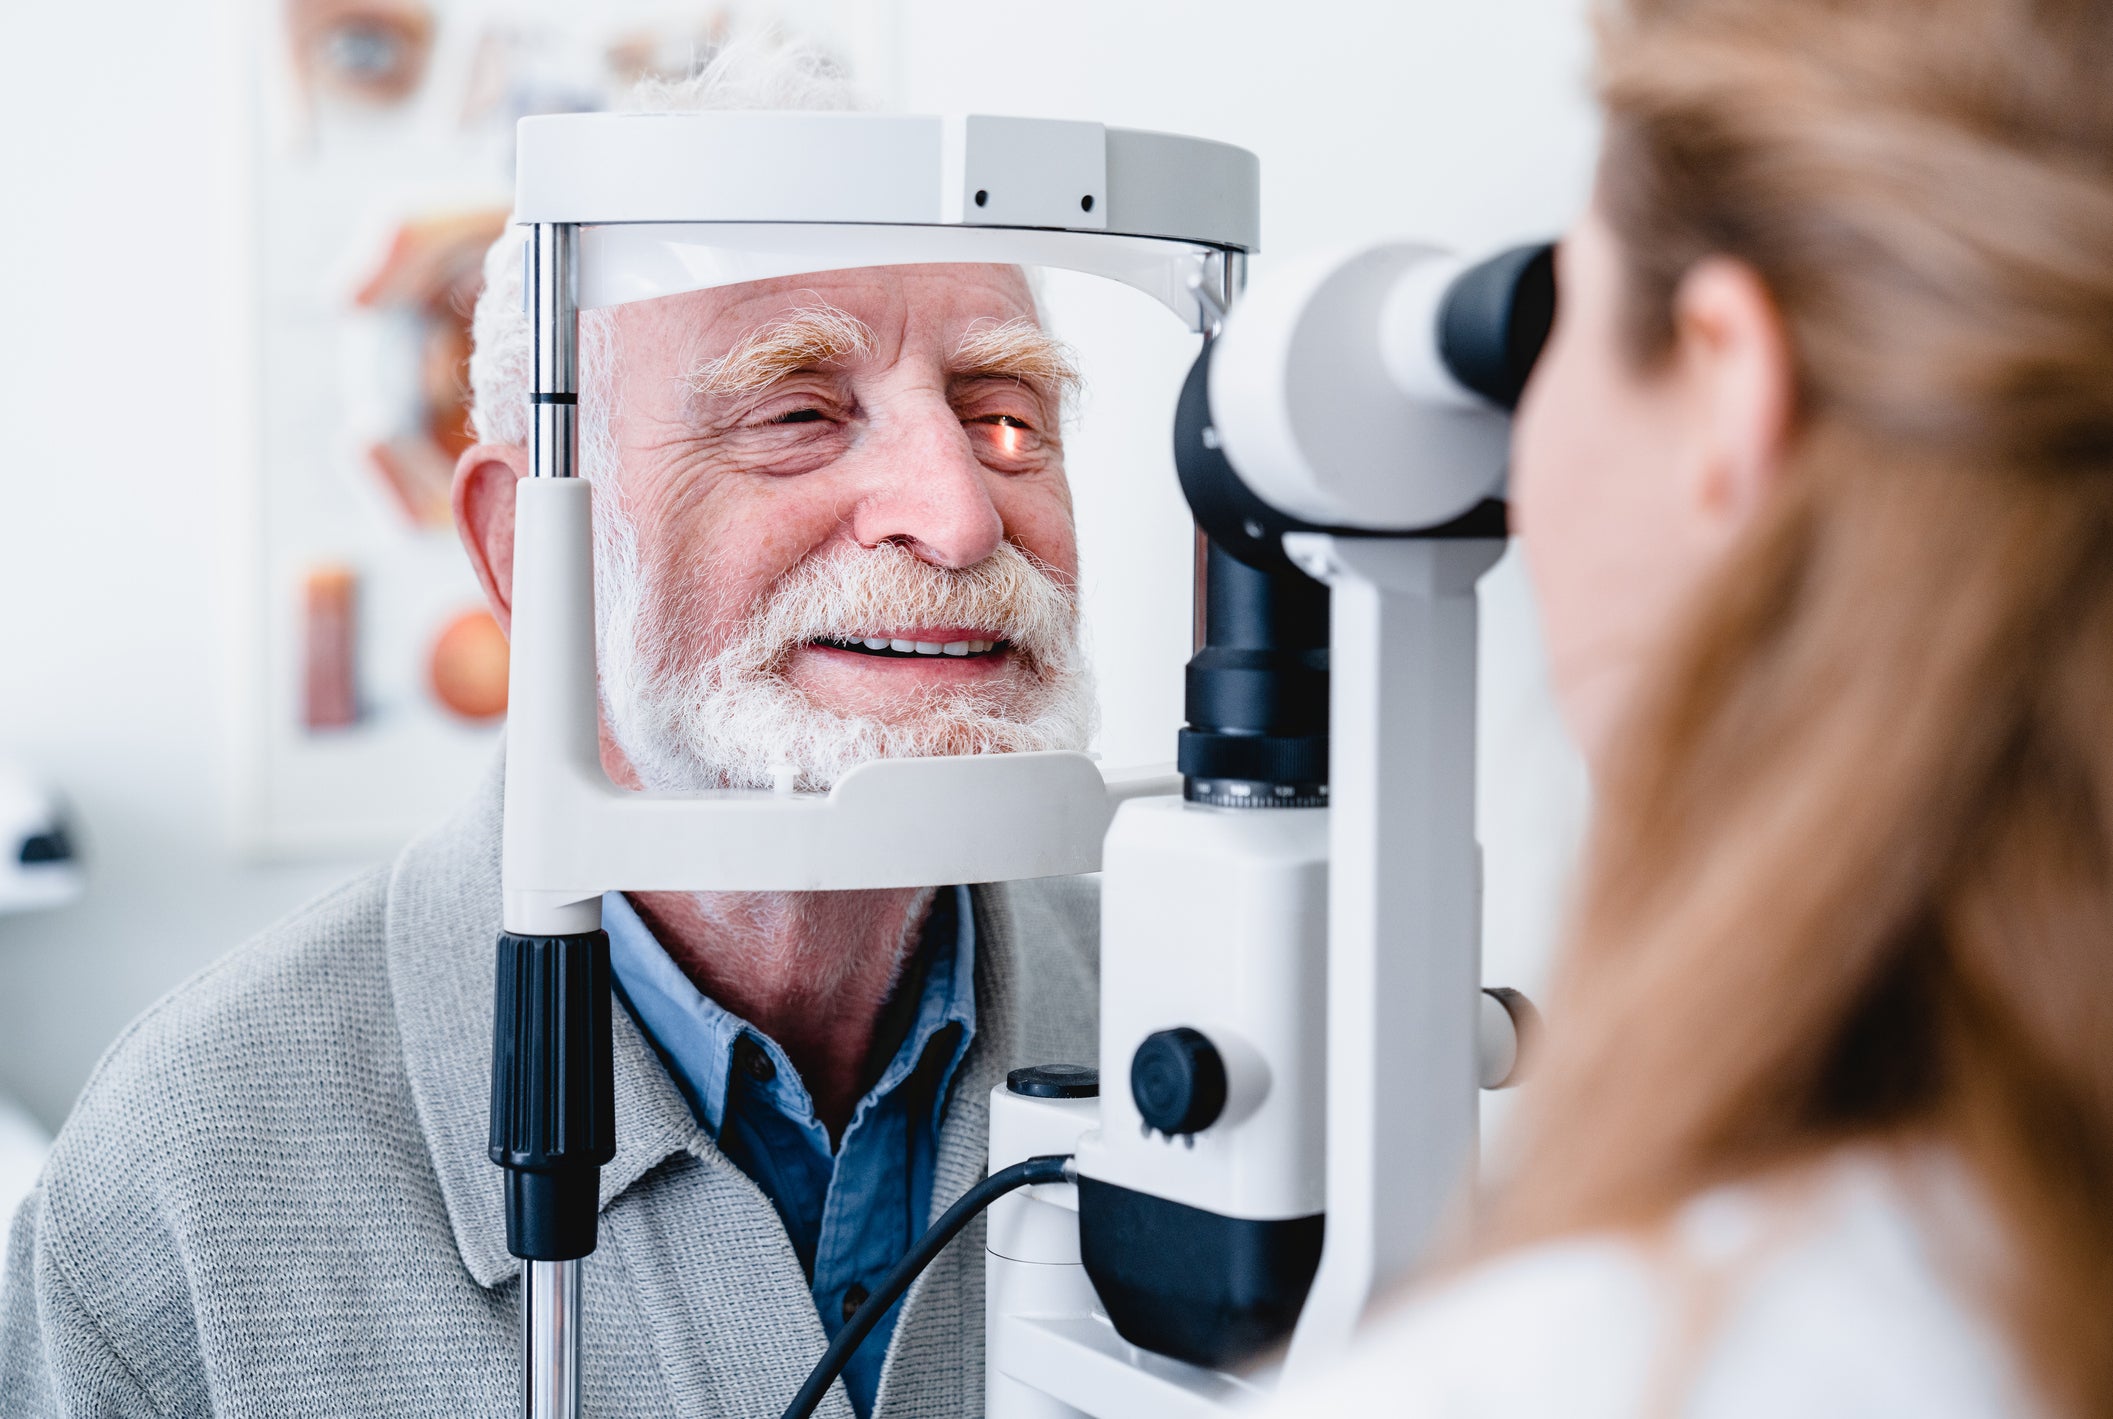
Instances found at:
x=832 y=523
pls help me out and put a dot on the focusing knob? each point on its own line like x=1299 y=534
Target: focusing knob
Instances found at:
x=1177 y=1078
x=1055 y=1081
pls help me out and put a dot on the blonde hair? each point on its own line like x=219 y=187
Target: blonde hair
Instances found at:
x=1851 y=877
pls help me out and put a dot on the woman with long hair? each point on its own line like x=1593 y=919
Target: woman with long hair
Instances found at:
x=1815 y=485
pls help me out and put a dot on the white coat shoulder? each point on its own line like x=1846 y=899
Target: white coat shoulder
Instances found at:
x=1843 y=1295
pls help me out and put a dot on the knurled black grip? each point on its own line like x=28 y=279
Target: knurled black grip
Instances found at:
x=553 y=1089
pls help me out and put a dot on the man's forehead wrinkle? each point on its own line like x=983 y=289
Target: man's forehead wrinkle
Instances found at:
x=807 y=336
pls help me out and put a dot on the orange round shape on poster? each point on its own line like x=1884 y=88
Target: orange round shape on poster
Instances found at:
x=468 y=668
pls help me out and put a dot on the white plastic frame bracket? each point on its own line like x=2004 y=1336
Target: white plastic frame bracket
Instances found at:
x=572 y=835
x=1404 y=914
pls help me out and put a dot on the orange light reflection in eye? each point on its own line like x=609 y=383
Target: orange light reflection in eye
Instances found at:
x=1010 y=440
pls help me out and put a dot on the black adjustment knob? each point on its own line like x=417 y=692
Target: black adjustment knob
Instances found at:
x=1056 y=1081
x=553 y=1089
x=1177 y=1078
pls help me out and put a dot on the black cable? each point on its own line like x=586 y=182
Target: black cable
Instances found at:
x=1035 y=1170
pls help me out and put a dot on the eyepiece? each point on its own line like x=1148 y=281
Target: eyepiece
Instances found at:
x=1495 y=319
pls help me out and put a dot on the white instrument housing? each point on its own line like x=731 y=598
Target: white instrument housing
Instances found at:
x=683 y=201
x=1329 y=395
x=1219 y=919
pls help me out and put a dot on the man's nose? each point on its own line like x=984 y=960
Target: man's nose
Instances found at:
x=926 y=490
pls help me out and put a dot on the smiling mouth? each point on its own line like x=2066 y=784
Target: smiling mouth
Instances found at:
x=897 y=649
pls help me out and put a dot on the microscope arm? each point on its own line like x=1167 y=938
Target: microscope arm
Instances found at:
x=1406 y=1017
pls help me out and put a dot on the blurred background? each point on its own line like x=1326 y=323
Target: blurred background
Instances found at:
x=241 y=655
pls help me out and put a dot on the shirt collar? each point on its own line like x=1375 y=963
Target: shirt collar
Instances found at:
x=670 y=1009
x=696 y=1036
x=948 y=1001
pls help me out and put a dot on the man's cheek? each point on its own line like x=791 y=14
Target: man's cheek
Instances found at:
x=1043 y=528
x=716 y=569
x=752 y=539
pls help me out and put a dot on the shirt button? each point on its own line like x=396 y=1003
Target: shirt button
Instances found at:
x=754 y=1062
x=854 y=1297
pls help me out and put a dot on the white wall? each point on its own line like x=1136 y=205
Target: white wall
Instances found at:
x=1462 y=122
x=121 y=222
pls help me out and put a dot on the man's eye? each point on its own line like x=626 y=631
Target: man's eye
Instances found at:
x=800 y=416
x=1004 y=436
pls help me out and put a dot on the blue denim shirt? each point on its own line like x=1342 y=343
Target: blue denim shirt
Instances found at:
x=853 y=1214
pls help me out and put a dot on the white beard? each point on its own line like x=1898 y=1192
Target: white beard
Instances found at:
x=734 y=721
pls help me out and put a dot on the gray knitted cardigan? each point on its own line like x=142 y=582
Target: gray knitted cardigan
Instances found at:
x=273 y=1198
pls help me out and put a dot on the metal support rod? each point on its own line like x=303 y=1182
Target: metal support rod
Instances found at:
x=550 y=1339
x=550 y=1302
x=550 y=285
x=1232 y=277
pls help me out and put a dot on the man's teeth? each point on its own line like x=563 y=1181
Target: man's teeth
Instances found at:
x=910 y=647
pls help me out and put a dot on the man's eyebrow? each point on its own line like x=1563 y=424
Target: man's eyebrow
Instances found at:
x=807 y=337
x=1017 y=349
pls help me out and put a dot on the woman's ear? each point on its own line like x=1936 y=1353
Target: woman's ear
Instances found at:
x=1733 y=357
x=485 y=476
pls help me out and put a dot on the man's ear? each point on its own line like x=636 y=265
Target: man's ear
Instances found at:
x=485 y=476
x=1734 y=358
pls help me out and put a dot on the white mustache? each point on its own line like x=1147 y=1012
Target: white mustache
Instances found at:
x=1010 y=594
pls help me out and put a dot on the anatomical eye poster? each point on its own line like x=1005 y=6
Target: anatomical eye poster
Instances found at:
x=379 y=162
